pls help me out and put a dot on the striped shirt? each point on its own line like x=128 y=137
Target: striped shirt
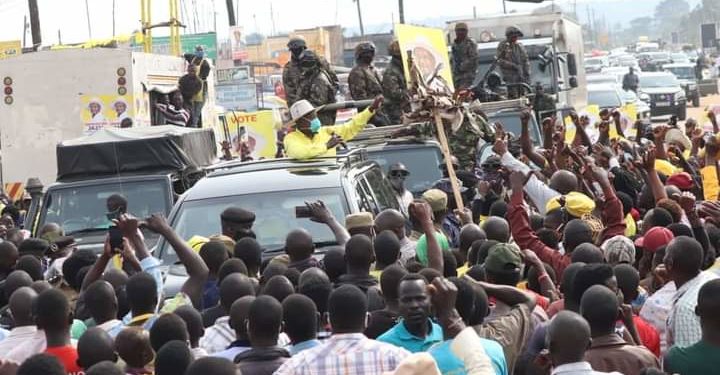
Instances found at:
x=349 y=354
x=218 y=336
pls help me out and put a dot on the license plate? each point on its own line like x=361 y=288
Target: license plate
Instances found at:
x=662 y=104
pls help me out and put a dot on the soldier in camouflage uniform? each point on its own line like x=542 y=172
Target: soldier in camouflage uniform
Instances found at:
x=513 y=61
x=463 y=142
x=316 y=86
x=395 y=87
x=364 y=80
x=292 y=72
x=464 y=57
x=544 y=104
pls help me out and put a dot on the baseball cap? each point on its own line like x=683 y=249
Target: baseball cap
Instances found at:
x=654 y=239
x=682 y=180
x=503 y=257
x=619 y=249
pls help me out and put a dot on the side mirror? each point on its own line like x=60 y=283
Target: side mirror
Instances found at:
x=572 y=64
x=573 y=82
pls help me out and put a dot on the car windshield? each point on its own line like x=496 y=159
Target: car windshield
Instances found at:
x=83 y=208
x=663 y=80
x=421 y=162
x=593 y=62
x=601 y=79
x=604 y=98
x=685 y=72
x=659 y=56
x=274 y=216
x=511 y=123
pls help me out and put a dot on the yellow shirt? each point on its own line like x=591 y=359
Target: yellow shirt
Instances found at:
x=710 y=183
x=299 y=146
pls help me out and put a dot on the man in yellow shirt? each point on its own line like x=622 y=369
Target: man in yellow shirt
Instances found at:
x=309 y=139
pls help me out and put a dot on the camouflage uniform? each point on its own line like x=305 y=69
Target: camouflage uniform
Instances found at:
x=364 y=82
x=463 y=143
x=395 y=91
x=316 y=87
x=292 y=74
x=514 y=64
x=465 y=62
x=544 y=105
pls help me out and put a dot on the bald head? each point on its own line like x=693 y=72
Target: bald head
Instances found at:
x=238 y=314
x=469 y=234
x=568 y=348
x=16 y=280
x=563 y=181
x=299 y=245
x=599 y=306
x=576 y=232
x=115 y=277
x=95 y=346
x=391 y=220
x=683 y=258
x=21 y=304
x=496 y=229
x=101 y=301
x=359 y=251
x=233 y=287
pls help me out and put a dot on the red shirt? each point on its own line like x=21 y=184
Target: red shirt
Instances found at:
x=648 y=335
x=68 y=357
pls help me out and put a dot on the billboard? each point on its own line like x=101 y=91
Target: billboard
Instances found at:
x=100 y=111
x=10 y=48
x=237 y=96
x=254 y=130
x=428 y=49
x=161 y=44
x=708 y=35
x=238 y=48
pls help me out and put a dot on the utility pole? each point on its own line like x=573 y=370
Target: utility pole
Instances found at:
x=35 y=23
x=362 y=29
x=401 y=11
x=25 y=27
x=230 y=12
x=113 y=17
x=272 y=19
x=504 y=7
x=87 y=14
x=474 y=12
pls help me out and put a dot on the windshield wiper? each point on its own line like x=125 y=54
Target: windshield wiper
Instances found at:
x=86 y=230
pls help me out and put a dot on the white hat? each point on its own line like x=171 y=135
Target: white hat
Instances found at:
x=300 y=109
x=677 y=136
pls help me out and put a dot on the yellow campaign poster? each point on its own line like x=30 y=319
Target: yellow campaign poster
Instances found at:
x=99 y=111
x=10 y=48
x=428 y=50
x=254 y=130
x=629 y=114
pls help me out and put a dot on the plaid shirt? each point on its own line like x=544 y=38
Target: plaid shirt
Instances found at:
x=683 y=324
x=218 y=336
x=349 y=354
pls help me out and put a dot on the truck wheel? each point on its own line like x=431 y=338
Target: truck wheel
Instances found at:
x=696 y=101
x=682 y=114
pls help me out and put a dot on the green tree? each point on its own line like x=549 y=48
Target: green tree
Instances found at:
x=668 y=15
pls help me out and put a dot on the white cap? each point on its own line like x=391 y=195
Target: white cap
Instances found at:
x=299 y=110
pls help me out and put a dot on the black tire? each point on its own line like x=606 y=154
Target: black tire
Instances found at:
x=682 y=113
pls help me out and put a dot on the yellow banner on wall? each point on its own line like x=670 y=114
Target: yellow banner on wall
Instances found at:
x=254 y=130
x=99 y=111
x=428 y=50
x=10 y=48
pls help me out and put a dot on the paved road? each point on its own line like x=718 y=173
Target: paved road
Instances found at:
x=699 y=112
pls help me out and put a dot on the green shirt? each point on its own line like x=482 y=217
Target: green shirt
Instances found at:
x=699 y=359
x=421 y=248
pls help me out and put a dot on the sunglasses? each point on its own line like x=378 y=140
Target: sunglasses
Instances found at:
x=399 y=173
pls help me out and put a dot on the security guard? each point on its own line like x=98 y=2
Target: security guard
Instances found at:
x=395 y=87
x=513 y=61
x=464 y=57
x=292 y=72
x=364 y=80
x=316 y=86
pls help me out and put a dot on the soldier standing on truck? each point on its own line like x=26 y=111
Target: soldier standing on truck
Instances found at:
x=364 y=80
x=513 y=61
x=316 y=86
x=394 y=86
x=464 y=57
x=292 y=72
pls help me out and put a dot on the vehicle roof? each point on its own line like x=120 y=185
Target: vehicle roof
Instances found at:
x=679 y=65
x=270 y=176
x=655 y=74
x=601 y=87
x=600 y=76
x=122 y=178
x=525 y=42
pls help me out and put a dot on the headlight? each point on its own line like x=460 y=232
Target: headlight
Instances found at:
x=644 y=97
x=680 y=95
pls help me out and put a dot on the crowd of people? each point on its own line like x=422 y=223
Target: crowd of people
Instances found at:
x=575 y=257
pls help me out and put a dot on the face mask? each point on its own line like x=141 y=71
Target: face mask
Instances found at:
x=315 y=125
x=200 y=54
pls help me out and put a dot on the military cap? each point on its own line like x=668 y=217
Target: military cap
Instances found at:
x=296 y=42
x=359 y=220
x=513 y=31
x=364 y=47
x=437 y=199
x=503 y=257
x=237 y=215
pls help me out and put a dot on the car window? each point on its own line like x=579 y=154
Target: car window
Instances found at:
x=604 y=98
x=84 y=207
x=421 y=162
x=682 y=72
x=661 y=80
x=366 y=202
x=380 y=189
x=274 y=216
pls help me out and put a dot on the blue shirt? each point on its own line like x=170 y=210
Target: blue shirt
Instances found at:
x=449 y=364
x=304 y=345
x=400 y=337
